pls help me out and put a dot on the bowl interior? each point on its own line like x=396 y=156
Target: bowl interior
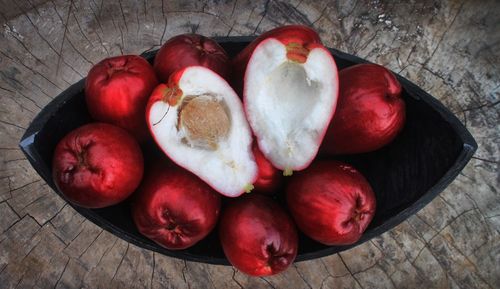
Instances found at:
x=401 y=174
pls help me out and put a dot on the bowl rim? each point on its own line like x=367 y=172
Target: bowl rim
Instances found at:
x=469 y=146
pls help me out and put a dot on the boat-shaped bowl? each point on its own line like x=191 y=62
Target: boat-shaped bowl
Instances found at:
x=406 y=175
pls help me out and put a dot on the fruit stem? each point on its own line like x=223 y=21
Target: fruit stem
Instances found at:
x=287 y=172
x=248 y=188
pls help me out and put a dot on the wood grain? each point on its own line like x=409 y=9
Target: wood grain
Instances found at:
x=449 y=48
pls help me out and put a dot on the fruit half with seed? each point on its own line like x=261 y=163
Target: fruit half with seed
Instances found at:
x=290 y=93
x=257 y=235
x=175 y=208
x=198 y=121
x=331 y=202
x=97 y=165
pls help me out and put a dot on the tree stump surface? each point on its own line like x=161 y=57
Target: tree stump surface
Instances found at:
x=449 y=48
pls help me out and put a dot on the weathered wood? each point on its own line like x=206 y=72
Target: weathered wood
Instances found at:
x=450 y=49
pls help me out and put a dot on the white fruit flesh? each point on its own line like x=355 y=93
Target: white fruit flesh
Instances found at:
x=215 y=145
x=289 y=104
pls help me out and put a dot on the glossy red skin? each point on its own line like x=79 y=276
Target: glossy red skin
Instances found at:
x=117 y=90
x=331 y=202
x=257 y=236
x=301 y=34
x=174 y=208
x=370 y=111
x=97 y=165
x=190 y=50
x=269 y=177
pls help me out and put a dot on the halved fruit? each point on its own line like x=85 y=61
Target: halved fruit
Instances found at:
x=198 y=121
x=290 y=94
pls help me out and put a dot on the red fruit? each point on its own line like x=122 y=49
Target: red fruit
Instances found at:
x=286 y=34
x=97 y=165
x=174 y=208
x=257 y=236
x=290 y=94
x=198 y=121
x=117 y=90
x=269 y=178
x=370 y=111
x=331 y=202
x=190 y=50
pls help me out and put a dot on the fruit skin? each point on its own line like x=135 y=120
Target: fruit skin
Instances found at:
x=189 y=50
x=257 y=236
x=331 y=202
x=300 y=34
x=269 y=177
x=97 y=165
x=175 y=208
x=117 y=90
x=370 y=111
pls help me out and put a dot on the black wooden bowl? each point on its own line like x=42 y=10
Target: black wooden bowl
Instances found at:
x=405 y=175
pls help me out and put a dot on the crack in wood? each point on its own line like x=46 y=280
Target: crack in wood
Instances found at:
x=98 y=20
x=80 y=27
x=301 y=276
x=234 y=279
x=91 y=243
x=13 y=124
x=67 y=38
x=320 y=15
x=444 y=34
x=350 y=272
x=121 y=261
x=268 y=282
x=17 y=61
x=62 y=273
x=152 y=271
x=64 y=36
x=183 y=271
x=123 y=15
x=266 y=6
x=166 y=22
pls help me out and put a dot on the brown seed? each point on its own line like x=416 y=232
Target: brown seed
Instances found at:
x=205 y=120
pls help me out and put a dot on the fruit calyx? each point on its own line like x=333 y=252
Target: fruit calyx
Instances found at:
x=296 y=52
x=82 y=157
x=116 y=65
x=275 y=259
x=205 y=121
x=171 y=94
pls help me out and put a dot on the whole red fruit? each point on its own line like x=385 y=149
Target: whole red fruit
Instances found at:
x=331 y=202
x=257 y=235
x=190 y=50
x=269 y=178
x=117 y=90
x=97 y=165
x=370 y=111
x=175 y=208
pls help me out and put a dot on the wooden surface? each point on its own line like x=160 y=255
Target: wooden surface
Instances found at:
x=450 y=49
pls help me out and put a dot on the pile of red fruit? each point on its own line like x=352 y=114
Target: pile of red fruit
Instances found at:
x=230 y=127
